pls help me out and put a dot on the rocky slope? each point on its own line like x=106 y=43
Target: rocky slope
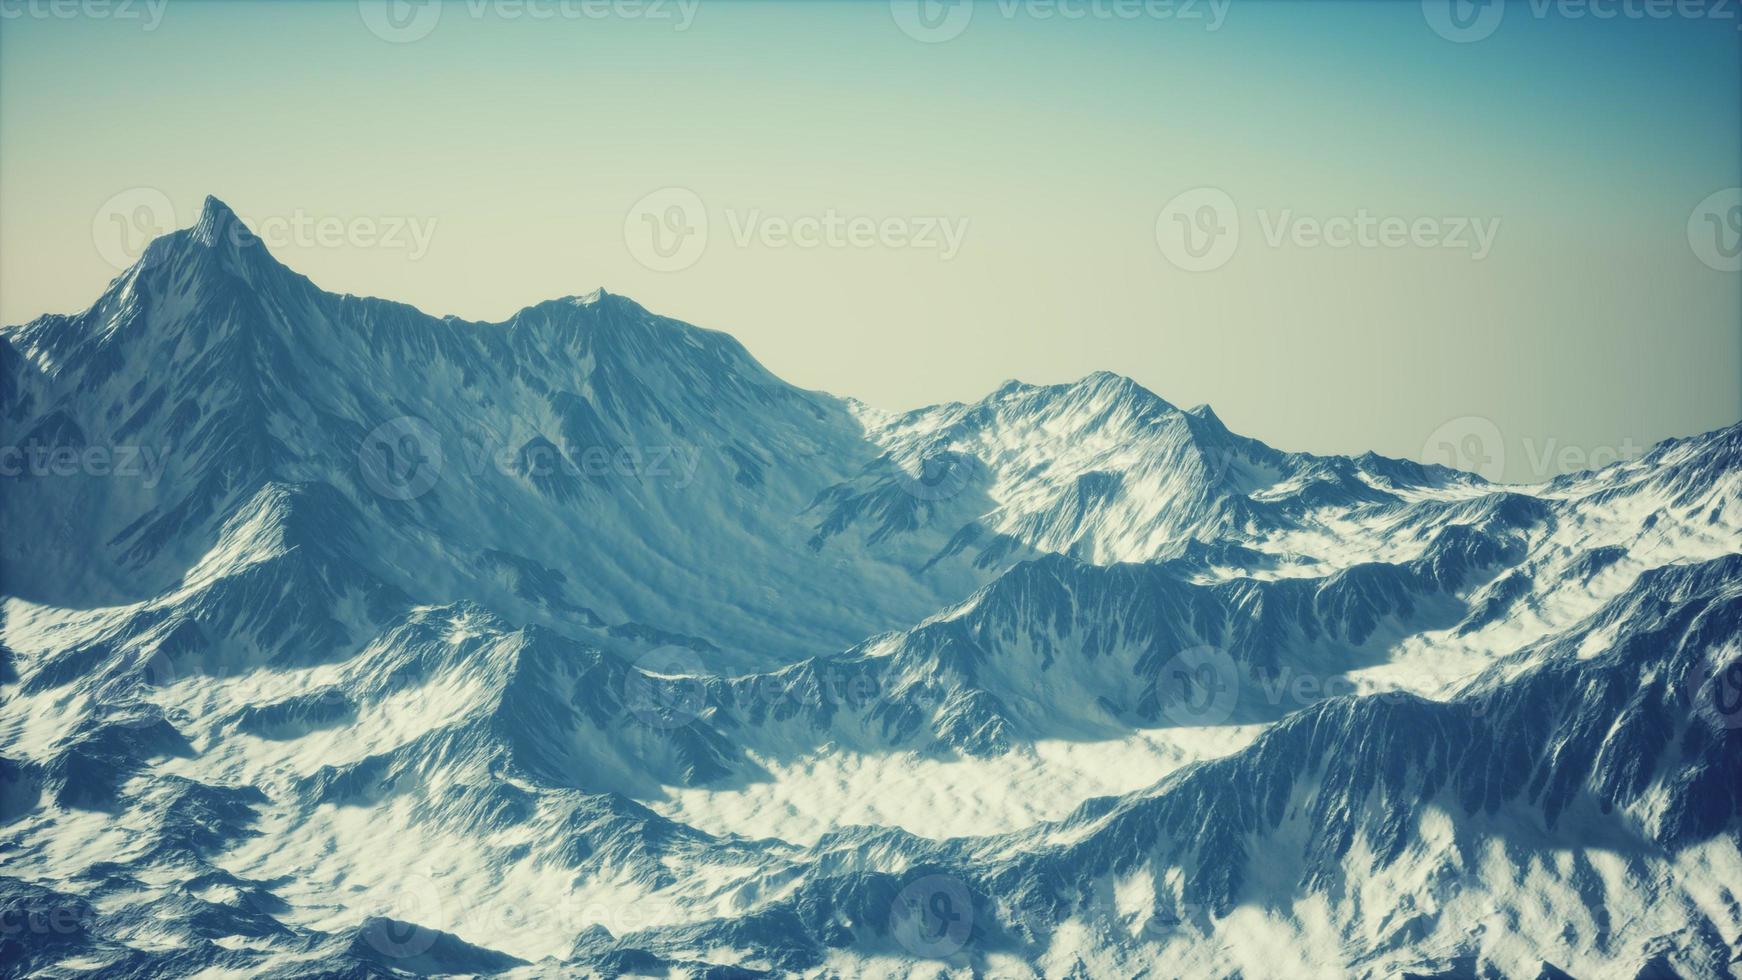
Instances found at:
x=339 y=638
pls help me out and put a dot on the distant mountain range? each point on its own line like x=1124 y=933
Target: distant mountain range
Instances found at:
x=339 y=639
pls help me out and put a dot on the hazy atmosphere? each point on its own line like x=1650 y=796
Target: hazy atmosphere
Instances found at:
x=1516 y=230
x=538 y=489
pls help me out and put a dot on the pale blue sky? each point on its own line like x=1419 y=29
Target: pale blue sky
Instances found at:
x=519 y=146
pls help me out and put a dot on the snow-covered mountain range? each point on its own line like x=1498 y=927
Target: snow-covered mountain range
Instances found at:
x=340 y=639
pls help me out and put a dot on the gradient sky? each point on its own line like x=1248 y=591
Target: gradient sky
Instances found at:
x=520 y=145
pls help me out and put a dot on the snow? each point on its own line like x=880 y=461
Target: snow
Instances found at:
x=261 y=684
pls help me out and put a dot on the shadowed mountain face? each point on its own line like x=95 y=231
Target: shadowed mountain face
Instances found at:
x=342 y=638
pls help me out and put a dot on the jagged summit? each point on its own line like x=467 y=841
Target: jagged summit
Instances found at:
x=219 y=234
x=216 y=221
x=206 y=256
x=219 y=231
x=1101 y=384
x=598 y=295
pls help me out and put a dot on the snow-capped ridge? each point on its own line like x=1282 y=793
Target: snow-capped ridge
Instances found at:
x=585 y=607
x=216 y=224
